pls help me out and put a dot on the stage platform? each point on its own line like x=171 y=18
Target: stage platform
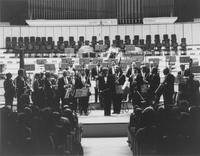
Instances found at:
x=98 y=125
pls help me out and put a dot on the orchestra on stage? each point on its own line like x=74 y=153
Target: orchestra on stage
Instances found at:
x=140 y=85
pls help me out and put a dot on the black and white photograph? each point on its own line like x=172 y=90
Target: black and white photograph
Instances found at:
x=99 y=77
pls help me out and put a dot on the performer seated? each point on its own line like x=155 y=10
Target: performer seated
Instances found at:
x=119 y=82
x=82 y=82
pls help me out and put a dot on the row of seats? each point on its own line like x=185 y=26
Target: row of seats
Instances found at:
x=47 y=43
x=37 y=131
x=165 y=131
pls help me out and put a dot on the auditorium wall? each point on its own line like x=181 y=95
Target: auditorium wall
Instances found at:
x=191 y=31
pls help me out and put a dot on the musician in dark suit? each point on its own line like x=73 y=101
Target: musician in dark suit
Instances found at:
x=37 y=94
x=119 y=82
x=20 y=86
x=112 y=68
x=83 y=81
x=136 y=82
x=95 y=74
x=9 y=89
x=63 y=85
x=192 y=91
x=107 y=85
x=48 y=91
x=154 y=82
x=168 y=89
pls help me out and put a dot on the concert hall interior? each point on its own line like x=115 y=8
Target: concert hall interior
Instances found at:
x=94 y=77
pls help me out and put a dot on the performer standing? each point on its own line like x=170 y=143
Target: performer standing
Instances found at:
x=37 y=94
x=107 y=81
x=63 y=85
x=9 y=90
x=20 y=86
x=48 y=91
x=84 y=82
x=168 y=89
x=136 y=81
x=119 y=82
x=95 y=73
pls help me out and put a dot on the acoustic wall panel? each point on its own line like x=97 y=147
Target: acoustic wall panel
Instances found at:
x=98 y=32
x=81 y=31
x=2 y=38
x=41 y=31
x=73 y=32
x=145 y=31
x=57 y=33
x=33 y=31
x=187 y=28
x=170 y=29
x=89 y=32
x=178 y=29
x=138 y=30
x=49 y=32
x=121 y=31
x=113 y=32
x=65 y=33
x=196 y=33
x=162 y=30
x=105 y=31
x=153 y=30
x=24 y=31
x=129 y=31
x=16 y=31
x=7 y=31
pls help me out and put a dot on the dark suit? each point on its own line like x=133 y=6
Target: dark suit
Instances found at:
x=154 y=82
x=108 y=88
x=95 y=72
x=49 y=94
x=83 y=101
x=168 y=90
x=118 y=97
x=62 y=89
x=135 y=88
x=9 y=92
x=20 y=85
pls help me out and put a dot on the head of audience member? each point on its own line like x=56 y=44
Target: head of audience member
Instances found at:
x=137 y=70
x=98 y=63
x=82 y=72
x=41 y=76
x=66 y=73
x=154 y=71
x=148 y=116
x=182 y=67
x=21 y=73
x=113 y=63
x=105 y=71
x=48 y=76
x=145 y=70
x=133 y=65
x=191 y=76
x=166 y=71
x=37 y=76
x=8 y=76
x=184 y=106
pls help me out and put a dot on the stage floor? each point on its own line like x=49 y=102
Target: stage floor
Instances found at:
x=97 y=117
